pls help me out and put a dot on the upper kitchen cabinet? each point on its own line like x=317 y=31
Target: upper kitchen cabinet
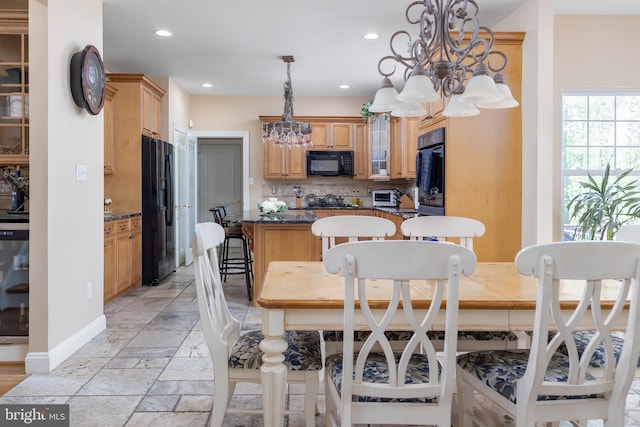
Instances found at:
x=146 y=95
x=14 y=87
x=404 y=146
x=327 y=133
x=130 y=107
x=283 y=162
x=109 y=128
x=379 y=133
x=332 y=133
x=360 y=151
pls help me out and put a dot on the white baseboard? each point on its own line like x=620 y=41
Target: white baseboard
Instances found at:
x=42 y=362
x=13 y=352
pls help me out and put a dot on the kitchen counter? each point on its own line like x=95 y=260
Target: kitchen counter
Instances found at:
x=114 y=216
x=9 y=216
x=292 y=216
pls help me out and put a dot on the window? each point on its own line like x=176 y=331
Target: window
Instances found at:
x=598 y=127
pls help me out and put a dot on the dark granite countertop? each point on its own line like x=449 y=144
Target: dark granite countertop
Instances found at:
x=10 y=216
x=114 y=216
x=292 y=216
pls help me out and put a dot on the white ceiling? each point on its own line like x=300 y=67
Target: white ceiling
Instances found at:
x=237 y=45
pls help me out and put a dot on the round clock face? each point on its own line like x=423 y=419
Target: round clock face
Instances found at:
x=88 y=80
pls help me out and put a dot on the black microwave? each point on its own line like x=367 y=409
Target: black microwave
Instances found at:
x=329 y=163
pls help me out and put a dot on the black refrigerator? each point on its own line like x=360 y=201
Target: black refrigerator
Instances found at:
x=158 y=235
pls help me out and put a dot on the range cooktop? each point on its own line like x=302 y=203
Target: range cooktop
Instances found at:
x=328 y=201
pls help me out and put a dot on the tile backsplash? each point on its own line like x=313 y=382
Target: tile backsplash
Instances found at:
x=284 y=190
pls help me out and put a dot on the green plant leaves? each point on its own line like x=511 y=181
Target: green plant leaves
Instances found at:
x=604 y=206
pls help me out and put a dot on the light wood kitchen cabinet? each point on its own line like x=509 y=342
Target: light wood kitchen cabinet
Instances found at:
x=404 y=146
x=124 y=186
x=483 y=164
x=379 y=141
x=151 y=110
x=284 y=162
x=327 y=133
x=332 y=135
x=136 y=250
x=14 y=87
x=110 y=261
x=396 y=219
x=144 y=94
x=360 y=151
x=109 y=128
x=122 y=255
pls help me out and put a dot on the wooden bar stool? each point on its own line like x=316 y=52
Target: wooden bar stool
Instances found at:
x=228 y=264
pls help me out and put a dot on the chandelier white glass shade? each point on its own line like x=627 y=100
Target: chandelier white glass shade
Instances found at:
x=287 y=132
x=449 y=47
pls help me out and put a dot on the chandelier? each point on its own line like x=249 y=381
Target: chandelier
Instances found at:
x=288 y=132
x=450 y=44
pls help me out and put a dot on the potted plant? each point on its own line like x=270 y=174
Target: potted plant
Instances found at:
x=604 y=206
x=367 y=114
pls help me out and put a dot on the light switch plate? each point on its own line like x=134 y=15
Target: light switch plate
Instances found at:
x=81 y=172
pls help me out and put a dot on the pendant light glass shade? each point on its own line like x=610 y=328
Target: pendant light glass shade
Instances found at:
x=408 y=109
x=418 y=88
x=507 y=102
x=481 y=87
x=386 y=98
x=457 y=108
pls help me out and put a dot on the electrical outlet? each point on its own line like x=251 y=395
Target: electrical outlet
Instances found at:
x=89 y=290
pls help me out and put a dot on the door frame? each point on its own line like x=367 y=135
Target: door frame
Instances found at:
x=244 y=135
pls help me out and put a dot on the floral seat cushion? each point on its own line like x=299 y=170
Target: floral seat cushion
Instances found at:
x=476 y=335
x=582 y=339
x=302 y=354
x=501 y=369
x=376 y=371
x=363 y=335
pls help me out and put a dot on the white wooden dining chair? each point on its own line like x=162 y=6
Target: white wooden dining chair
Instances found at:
x=352 y=228
x=460 y=230
x=236 y=357
x=543 y=385
x=413 y=386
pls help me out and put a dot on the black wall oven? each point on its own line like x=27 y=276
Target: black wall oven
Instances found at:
x=430 y=173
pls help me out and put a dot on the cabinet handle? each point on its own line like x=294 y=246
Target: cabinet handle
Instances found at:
x=131 y=237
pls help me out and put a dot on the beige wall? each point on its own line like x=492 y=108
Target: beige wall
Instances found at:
x=591 y=52
x=66 y=215
x=240 y=113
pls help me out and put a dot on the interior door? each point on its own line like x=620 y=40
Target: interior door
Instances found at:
x=182 y=195
x=219 y=176
x=192 y=142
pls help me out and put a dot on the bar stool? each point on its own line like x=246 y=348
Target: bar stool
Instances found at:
x=233 y=264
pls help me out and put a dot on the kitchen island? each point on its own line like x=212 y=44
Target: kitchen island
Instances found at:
x=281 y=237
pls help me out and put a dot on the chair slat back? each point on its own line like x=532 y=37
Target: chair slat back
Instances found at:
x=220 y=328
x=393 y=263
x=353 y=227
x=443 y=228
x=602 y=270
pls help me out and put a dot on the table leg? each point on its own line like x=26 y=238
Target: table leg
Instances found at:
x=274 y=372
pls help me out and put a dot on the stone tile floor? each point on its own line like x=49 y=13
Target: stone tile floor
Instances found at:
x=151 y=366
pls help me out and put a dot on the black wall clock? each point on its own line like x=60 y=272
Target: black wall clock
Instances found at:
x=87 y=79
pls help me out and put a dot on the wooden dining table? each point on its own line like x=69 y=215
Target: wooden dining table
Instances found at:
x=302 y=295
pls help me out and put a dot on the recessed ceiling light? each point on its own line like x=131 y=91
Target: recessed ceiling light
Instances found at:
x=371 y=36
x=162 y=33
x=344 y=86
x=207 y=85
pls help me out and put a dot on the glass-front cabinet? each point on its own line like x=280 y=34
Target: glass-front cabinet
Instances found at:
x=379 y=136
x=14 y=88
